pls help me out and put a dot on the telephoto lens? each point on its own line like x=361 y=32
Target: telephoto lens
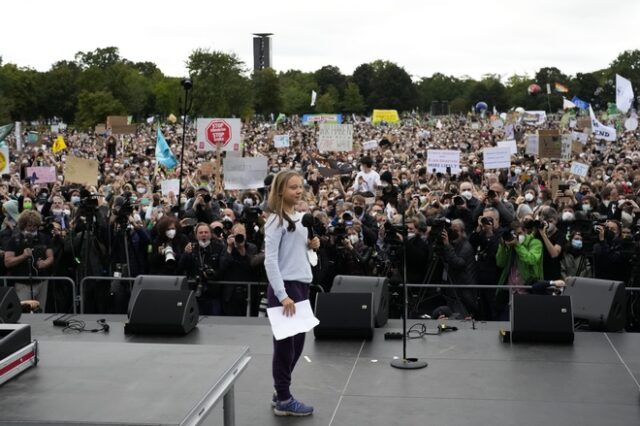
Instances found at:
x=239 y=238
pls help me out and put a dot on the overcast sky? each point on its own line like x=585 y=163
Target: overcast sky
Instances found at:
x=459 y=38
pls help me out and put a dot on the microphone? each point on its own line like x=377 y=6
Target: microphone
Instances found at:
x=307 y=222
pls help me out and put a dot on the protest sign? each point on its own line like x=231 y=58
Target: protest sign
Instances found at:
x=4 y=160
x=497 y=158
x=475 y=125
x=54 y=128
x=532 y=144
x=565 y=150
x=308 y=119
x=549 y=143
x=534 y=118
x=170 y=185
x=41 y=174
x=281 y=141
x=100 y=129
x=509 y=144
x=386 y=115
x=369 y=145
x=207 y=168
x=214 y=132
x=244 y=172
x=576 y=147
x=81 y=170
x=579 y=169
x=441 y=159
x=583 y=123
x=335 y=137
x=117 y=121
x=580 y=137
x=127 y=129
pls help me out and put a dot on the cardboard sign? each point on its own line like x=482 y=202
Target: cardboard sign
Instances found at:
x=117 y=121
x=534 y=118
x=580 y=137
x=335 y=137
x=244 y=172
x=127 y=129
x=41 y=174
x=207 y=168
x=281 y=141
x=554 y=183
x=497 y=158
x=583 y=123
x=327 y=172
x=576 y=147
x=579 y=169
x=223 y=132
x=441 y=159
x=170 y=185
x=475 y=125
x=100 y=129
x=81 y=170
x=509 y=144
x=549 y=144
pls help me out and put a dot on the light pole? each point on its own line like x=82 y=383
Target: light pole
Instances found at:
x=186 y=85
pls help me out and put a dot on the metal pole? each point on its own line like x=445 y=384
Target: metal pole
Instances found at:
x=186 y=84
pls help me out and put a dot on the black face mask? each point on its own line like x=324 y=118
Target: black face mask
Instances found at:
x=609 y=235
x=453 y=235
x=358 y=210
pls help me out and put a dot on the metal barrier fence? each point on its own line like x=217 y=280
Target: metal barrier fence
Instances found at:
x=34 y=279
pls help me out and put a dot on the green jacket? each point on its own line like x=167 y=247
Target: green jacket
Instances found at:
x=528 y=259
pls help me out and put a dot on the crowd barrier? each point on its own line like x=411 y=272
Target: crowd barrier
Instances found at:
x=27 y=279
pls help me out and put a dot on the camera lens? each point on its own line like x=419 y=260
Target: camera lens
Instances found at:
x=239 y=238
x=217 y=231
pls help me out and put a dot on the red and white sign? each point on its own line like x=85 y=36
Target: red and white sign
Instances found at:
x=223 y=132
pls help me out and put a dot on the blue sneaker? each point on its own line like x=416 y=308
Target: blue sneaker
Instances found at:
x=292 y=407
x=274 y=399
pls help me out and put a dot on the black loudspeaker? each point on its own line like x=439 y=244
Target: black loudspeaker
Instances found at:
x=541 y=318
x=603 y=303
x=435 y=108
x=376 y=285
x=344 y=315
x=161 y=305
x=444 y=107
x=10 y=309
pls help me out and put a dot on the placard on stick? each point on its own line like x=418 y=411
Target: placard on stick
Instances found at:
x=81 y=170
x=549 y=143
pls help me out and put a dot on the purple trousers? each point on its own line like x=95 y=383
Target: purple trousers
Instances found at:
x=286 y=352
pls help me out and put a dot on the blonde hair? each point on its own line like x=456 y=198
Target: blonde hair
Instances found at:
x=275 y=203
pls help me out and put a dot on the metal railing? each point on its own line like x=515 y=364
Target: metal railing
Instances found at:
x=37 y=278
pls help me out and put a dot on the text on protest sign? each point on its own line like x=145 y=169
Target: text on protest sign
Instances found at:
x=583 y=138
x=549 y=144
x=308 y=119
x=223 y=132
x=441 y=159
x=369 y=145
x=386 y=115
x=534 y=118
x=335 y=137
x=497 y=158
x=244 y=172
x=41 y=174
x=565 y=150
x=281 y=141
x=81 y=170
x=579 y=169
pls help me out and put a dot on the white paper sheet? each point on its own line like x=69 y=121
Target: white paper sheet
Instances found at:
x=301 y=322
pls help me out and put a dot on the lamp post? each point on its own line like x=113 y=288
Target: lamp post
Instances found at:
x=186 y=85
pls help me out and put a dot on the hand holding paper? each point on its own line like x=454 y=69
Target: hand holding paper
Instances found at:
x=301 y=321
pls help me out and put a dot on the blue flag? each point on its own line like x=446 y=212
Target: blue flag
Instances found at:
x=164 y=156
x=580 y=103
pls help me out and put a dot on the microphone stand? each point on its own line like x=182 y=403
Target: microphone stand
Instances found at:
x=405 y=363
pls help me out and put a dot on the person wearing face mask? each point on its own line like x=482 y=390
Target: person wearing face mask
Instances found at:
x=201 y=262
x=485 y=240
x=609 y=205
x=369 y=226
x=167 y=247
x=627 y=213
x=611 y=260
x=355 y=256
x=553 y=242
x=466 y=191
x=29 y=253
x=235 y=265
x=520 y=257
x=574 y=261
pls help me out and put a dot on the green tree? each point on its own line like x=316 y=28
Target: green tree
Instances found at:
x=59 y=91
x=99 y=58
x=296 y=87
x=352 y=100
x=329 y=76
x=166 y=95
x=386 y=85
x=517 y=95
x=266 y=91
x=220 y=87
x=94 y=107
x=329 y=101
x=489 y=90
x=439 y=87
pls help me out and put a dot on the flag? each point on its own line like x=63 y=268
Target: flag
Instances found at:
x=567 y=104
x=580 y=103
x=150 y=120
x=129 y=119
x=5 y=130
x=164 y=156
x=560 y=88
x=599 y=130
x=612 y=109
x=280 y=118
x=624 y=94
x=4 y=160
x=314 y=96
x=58 y=145
x=495 y=111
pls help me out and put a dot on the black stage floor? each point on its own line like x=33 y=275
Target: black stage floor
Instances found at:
x=472 y=378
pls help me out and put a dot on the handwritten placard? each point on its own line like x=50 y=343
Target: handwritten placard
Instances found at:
x=579 y=169
x=41 y=174
x=335 y=137
x=497 y=158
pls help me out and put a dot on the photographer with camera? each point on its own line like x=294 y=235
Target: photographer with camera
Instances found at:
x=355 y=257
x=485 y=240
x=520 y=257
x=201 y=261
x=611 y=260
x=553 y=242
x=203 y=207
x=167 y=247
x=493 y=198
x=235 y=265
x=29 y=253
x=458 y=210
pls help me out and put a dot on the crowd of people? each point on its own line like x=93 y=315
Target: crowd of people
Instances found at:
x=508 y=226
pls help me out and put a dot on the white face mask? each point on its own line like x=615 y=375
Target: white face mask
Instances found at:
x=204 y=244
x=467 y=195
x=568 y=217
x=353 y=238
x=170 y=233
x=528 y=197
x=520 y=238
x=57 y=212
x=66 y=212
x=410 y=235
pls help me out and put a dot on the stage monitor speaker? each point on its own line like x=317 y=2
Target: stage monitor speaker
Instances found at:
x=603 y=303
x=435 y=108
x=10 y=309
x=377 y=285
x=344 y=315
x=162 y=305
x=541 y=318
x=444 y=107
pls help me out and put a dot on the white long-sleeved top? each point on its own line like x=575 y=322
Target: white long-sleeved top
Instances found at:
x=286 y=254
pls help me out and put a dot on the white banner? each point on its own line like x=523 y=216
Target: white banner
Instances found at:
x=599 y=130
x=534 y=118
x=18 y=133
x=170 y=185
x=583 y=138
x=335 y=137
x=532 y=145
x=369 y=145
x=219 y=131
x=281 y=141
x=579 y=169
x=509 y=144
x=314 y=96
x=624 y=94
x=244 y=172
x=496 y=158
x=565 y=153
x=440 y=159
